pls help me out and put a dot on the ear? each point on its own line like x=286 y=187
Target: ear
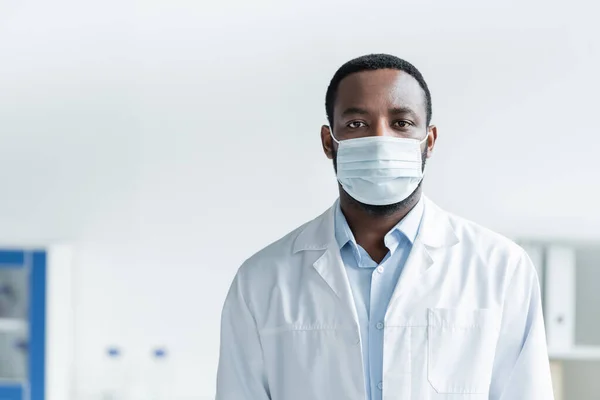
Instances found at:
x=431 y=139
x=327 y=142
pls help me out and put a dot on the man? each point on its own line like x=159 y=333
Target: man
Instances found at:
x=385 y=295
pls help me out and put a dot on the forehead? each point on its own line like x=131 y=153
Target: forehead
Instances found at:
x=383 y=88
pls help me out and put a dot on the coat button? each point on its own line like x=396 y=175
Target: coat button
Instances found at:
x=380 y=386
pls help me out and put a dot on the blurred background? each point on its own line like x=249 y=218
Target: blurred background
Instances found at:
x=148 y=147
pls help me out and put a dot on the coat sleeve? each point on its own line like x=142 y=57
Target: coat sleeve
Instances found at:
x=521 y=367
x=241 y=371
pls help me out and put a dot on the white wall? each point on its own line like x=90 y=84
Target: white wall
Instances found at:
x=170 y=140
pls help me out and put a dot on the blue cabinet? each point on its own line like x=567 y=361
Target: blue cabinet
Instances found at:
x=22 y=324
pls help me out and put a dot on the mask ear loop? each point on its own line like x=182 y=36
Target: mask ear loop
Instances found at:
x=333 y=137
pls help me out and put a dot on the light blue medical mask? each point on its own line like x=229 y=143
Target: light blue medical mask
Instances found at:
x=379 y=170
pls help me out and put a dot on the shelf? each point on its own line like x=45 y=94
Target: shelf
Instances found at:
x=589 y=353
x=12 y=325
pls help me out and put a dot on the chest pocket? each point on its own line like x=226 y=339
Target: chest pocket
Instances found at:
x=461 y=348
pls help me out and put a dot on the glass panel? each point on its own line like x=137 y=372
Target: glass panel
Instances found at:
x=13 y=356
x=14 y=304
x=587 y=296
x=14 y=293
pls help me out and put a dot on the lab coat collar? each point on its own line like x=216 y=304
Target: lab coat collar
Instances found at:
x=436 y=230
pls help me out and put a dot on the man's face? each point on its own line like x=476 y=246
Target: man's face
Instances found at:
x=384 y=102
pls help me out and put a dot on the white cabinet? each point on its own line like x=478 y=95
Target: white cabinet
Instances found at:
x=559 y=301
x=570 y=281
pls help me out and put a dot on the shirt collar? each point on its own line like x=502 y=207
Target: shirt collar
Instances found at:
x=408 y=227
x=343 y=233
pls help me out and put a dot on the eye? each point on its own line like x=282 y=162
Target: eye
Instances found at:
x=355 y=124
x=402 y=124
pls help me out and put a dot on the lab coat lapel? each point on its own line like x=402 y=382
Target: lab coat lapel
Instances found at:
x=417 y=263
x=331 y=268
x=435 y=234
x=319 y=235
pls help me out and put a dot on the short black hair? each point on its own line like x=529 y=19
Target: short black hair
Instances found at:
x=373 y=62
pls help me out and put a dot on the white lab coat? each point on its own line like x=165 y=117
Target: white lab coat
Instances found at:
x=464 y=322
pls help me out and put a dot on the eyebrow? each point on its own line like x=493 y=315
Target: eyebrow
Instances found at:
x=396 y=110
x=354 y=111
x=403 y=110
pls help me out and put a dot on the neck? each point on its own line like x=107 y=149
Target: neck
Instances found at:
x=370 y=228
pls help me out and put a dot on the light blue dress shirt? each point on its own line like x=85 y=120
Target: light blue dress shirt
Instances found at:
x=373 y=284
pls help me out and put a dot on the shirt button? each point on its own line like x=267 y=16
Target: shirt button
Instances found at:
x=380 y=269
x=379 y=325
x=380 y=386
